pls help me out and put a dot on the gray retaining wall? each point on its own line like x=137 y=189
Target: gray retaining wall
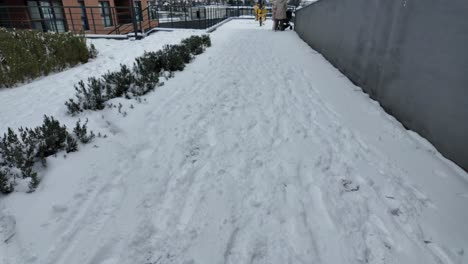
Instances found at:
x=410 y=55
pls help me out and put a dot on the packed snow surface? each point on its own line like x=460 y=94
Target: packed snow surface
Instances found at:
x=260 y=151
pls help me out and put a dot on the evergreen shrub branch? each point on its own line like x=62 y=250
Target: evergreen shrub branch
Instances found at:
x=28 y=54
x=142 y=78
x=21 y=152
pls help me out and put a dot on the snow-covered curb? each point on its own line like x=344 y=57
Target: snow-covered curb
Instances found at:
x=127 y=36
x=213 y=28
x=107 y=36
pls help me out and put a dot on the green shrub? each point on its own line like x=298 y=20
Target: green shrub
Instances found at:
x=184 y=53
x=147 y=69
x=52 y=137
x=194 y=44
x=174 y=61
x=88 y=97
x=20 y=152
x=206 y=40
x=5 y=185
x=142 y=78
x=81 y=132
x=72 y=144
x=119 y=83
x=26 y=54
x=93 y=51
x=150 y=62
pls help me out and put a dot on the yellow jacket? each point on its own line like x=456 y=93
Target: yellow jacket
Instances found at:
x=255 y=8
x=260 y=12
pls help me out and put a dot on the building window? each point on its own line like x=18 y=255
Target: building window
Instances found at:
x=47 y=15
x=84 y=17
x=105 y=12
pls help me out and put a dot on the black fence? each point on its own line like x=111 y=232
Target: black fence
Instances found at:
x=198 y=17
x=120 y=20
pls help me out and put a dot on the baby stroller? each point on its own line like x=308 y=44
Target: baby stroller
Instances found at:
x=286 y=23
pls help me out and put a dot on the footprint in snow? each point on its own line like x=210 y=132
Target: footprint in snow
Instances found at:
x=395 y=211
x=193 y=153
x=349 y=186
x=59 y=209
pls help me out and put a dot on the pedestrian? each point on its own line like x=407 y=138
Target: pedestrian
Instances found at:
x=261 y=13
x=255 y=8
x=279 y=13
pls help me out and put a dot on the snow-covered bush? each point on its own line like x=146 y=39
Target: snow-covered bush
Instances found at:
x=90 y=96
x=118 y=84
x=128 y=83
x=142 y=78
x=147 y=69
x=206 y=40
x=20 y=152
x=5 y=185
x=175 y=57
x=123 y=83
x=81 y=132
x=92 y=51
x=26 y=54
x=194 y=44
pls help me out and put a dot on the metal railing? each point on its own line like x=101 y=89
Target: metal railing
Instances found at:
x=89 y=19
x=119 y=20
x=197 y=17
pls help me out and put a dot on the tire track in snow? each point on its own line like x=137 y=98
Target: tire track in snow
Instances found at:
x=99 y=210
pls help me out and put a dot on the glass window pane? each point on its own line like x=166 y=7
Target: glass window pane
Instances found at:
x=34 y=10
x=58 y=13
x=37 y=25
x=47 y=12
x=60 y=26
x=105 y=13
x=50 y=26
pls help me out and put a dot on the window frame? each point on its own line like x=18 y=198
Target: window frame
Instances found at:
x=106 y=17
x=83 y=15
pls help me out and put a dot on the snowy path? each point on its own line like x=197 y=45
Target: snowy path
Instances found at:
x=259 y=152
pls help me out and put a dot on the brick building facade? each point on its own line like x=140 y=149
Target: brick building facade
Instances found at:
x=88 y=16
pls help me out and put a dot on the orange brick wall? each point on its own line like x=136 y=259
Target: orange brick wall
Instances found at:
x=72 y=14
x=119 y=11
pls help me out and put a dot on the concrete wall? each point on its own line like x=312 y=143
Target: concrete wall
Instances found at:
x=410 y=55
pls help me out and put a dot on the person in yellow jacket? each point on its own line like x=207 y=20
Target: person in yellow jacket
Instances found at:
x=255 y=8
x=260 y=13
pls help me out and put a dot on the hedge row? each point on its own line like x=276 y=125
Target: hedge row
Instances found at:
x=138 y=80
x=19 y=153
x=25 y=54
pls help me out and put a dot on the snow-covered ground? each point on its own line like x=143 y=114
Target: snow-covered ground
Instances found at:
x=259 y=151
